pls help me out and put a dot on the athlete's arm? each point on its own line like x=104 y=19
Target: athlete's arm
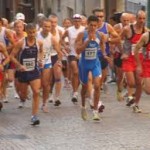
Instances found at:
x=40 y=54
x=5 y=53
x=9 y=35
x=114 y=36
x=63 y=39
x=56 y=46
x=102 y=43
x=143 y=40
x=14 y=53
x=79 y=44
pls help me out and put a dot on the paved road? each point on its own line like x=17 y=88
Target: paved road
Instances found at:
x=63 y=129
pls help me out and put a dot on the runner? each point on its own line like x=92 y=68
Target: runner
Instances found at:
x=143 y=68
x=87 y=43
x=125 y=20
x=72 y=33
x=132 y=34
x=29 y=52
x=4 y=59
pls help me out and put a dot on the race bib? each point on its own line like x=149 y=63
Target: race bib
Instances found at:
x=90 y=53
x=29 y=63
x=47 y=55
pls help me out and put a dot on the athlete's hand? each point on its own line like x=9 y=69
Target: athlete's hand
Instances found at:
x=1 y=67
x=41 y=64
x=109 y=59
x=139 y=69
x=22 y=68
x=124 y=56
x=59 y=63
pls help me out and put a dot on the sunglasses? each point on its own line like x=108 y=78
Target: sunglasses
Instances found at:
x=99 y=16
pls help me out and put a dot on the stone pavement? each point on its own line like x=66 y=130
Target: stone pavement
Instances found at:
x=63 y=129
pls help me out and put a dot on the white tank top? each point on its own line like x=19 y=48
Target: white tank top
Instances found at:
x=47 y=46
x=2 y=35
x=72 y=34
x=57 y=38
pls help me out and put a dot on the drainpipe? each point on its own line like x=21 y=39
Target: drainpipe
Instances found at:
x=148 y=13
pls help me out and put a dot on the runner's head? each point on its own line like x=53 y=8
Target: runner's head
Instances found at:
x=92 y=23
x=141 y=17
x=19 y=26
x=46 y=26
x=31 y=30
x=99 y=13
x=77 y=20
x=125 y=19
x=54 y=20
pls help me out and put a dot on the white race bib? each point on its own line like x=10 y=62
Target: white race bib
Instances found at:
x=90 y=53
x=29 y=63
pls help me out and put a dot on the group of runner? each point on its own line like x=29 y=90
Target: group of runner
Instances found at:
x=39 y=54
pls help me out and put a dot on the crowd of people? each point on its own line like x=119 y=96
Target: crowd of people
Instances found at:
x=82 y=51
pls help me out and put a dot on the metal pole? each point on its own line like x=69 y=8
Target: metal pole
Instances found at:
x=148 y=13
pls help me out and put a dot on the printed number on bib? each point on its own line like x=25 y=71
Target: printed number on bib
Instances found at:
x=90 y=53
x=29 y=63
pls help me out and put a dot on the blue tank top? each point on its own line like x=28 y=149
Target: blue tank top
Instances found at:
x=104 y=30
x=28 y=56
x=90 y=55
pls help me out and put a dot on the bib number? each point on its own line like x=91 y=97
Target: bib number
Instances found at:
x=90 y=53
x=29 y=63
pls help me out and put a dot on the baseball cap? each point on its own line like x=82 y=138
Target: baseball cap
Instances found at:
x=20 y=16
x=77 y=16
x=40 y=15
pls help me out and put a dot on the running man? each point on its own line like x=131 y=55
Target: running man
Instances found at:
x=4 y=59
x=144 y=67
x=87 y=44
x=29 y=52
x=132 y=34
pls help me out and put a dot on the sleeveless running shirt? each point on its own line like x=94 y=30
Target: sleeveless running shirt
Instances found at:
x=47 y=46
x=28 y=55
x=72 y=35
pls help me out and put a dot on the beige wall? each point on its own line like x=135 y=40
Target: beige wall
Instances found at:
x=120 y=5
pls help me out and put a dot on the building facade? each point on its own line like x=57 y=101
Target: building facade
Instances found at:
x=8 y=8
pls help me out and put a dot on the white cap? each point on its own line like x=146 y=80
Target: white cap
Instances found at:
x=40 y=15
x=20 y=16
x=77 y=16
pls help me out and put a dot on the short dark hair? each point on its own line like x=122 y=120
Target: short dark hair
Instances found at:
x=30 y=26
x=97 y=10
x=1 y=20
x=92 y=18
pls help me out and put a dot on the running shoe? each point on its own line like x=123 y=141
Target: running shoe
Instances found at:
x=57 y=103
x=35 y=120
x=84 y=114
x=96 y=116
x=44 y=108
x=74 y=98
x=51 y=99
x=130 y=102
x=136 y=109
x=1 y=106
x=5 y=100
x=16 y=96
x=101 y=107
x=119 y=96
x=21 y=104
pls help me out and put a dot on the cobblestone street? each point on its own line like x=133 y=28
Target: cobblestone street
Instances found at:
x=63 y=129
